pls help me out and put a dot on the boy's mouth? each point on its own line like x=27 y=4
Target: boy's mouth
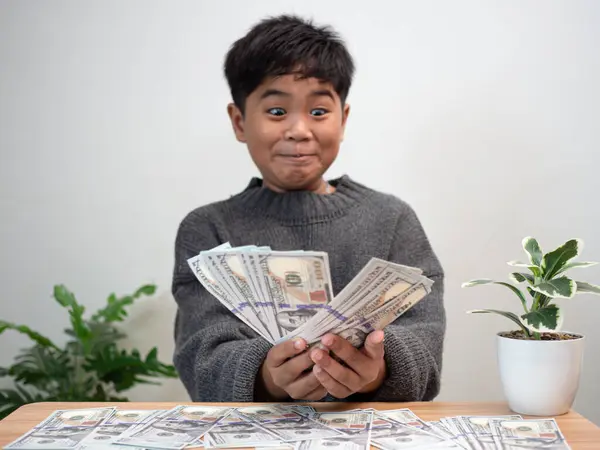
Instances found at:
x=298 y=158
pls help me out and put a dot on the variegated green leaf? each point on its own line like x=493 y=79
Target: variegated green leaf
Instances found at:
x=506 y=314
x=573 y=265
x=583 y=287
x=519 y=277
x=562 y=287
x=548 y=318
x=555 y=260
x=537 y=272
x=531 y=246
x=477 y=282
x=482 y=281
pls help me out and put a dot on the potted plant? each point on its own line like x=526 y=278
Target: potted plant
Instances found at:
x=90 y=366
x=539 y=364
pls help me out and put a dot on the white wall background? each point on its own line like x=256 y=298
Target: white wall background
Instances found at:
x=483 y=115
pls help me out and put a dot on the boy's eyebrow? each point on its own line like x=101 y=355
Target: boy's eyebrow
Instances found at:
x=278 y=93
x=322 y=92
x=274 y=93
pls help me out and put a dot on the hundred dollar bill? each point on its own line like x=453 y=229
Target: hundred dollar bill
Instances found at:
x=287 y=425
x=350 y=422
x=305 y=410
x=478 y=430
x=458 y=430
x=177 y=428
x=234 y=282
x=401 y=436
x=337 y=443
x=237 y=431
x=408 y=417
x=437 y=427
x=219 y=291
x=261 y=292
x=377 y=284
x=356 y=331
x=276 y=446
x=299 y=284
x=116 y=426
x=230 y=265
x=62 y=429
x=530 y=433
x=370 y=272
x=267 y=413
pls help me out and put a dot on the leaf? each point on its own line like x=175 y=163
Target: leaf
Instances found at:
x=481 y=281
x=555 y=260
x=148 y=289
x=543 y=319
x=123 y=369
x=519 y=277
x=573 y=265
x=114 y=311
x=41 y=367
x=506 y=314
x=152 y=356
x=64 y=297
x=33 y=335
x=583 y=287
x=115 y=308
x=537 y=272
x=80 y=328
x=11 y=400
x=562 y=287
x=531 y=246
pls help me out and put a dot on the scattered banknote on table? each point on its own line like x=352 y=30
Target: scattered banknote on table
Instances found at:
x=290 y=426
x=286 y=294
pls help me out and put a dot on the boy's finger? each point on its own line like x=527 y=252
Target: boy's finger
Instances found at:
x=343 y=375
x=336 y=389
x=284 y=351
x=293 y=368
x=317 y=394
x=344 y=350
x=374 y=345
x=303 y=386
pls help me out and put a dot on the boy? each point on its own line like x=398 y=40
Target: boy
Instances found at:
x=289 y=81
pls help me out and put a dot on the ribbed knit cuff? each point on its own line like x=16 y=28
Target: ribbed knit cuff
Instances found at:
x=247 y=369
x=407 y=363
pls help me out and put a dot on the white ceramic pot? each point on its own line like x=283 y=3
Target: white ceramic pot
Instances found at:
x=540 y=378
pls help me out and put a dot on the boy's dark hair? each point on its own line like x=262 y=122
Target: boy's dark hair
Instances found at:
x=283 y=45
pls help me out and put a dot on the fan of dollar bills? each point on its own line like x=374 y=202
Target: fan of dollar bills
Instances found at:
x=285 y=294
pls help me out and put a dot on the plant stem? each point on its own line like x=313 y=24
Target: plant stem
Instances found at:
x=535 y=303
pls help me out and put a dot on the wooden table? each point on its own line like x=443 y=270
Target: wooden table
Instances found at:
x=580 y=433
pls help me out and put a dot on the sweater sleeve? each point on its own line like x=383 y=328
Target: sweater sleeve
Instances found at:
x=216 y=354
x=413 y=343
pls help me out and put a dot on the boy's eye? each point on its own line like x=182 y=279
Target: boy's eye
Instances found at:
x=319 y=112
x=276 y=111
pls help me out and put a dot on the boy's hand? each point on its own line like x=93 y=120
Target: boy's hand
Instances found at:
x=282 y=373
x=366 y=367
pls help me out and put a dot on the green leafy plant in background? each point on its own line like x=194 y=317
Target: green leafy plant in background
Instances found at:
x=90 y=366
x=545 y=281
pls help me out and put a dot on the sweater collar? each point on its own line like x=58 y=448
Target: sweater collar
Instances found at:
x=298 y=207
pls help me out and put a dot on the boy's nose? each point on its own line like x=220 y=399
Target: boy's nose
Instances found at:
x=297 y=130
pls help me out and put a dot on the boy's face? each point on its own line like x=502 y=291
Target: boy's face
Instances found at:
x=293 y=128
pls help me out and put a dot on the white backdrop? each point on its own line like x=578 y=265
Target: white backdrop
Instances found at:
x=482 y=115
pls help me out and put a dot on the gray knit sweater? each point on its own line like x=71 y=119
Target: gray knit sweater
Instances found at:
x=218 y=356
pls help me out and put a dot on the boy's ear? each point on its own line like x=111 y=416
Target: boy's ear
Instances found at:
x=237 y=121
x=345 y=114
